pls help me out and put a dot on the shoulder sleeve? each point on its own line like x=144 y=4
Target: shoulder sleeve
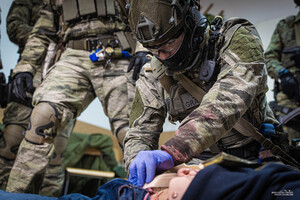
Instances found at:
x=18 y=22
x=274 y=51
x=43 y=32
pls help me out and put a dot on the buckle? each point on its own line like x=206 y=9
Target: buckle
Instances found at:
x=92 y=44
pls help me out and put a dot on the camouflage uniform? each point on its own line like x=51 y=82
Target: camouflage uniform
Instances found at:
x=20 y=20
x=69 y=86
x=283 y=38
x=239 y=91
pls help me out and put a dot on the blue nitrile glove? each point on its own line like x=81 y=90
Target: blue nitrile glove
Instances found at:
x=267 y=130
x=145 y=165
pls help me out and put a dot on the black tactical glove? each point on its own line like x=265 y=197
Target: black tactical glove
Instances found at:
x=23 y=82
x=136 y=63
x=289 y=85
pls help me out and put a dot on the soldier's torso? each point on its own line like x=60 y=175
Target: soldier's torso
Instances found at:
x=181 y=103
x=288 y=39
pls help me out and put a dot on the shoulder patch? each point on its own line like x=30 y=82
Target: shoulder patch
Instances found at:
x=137 y=108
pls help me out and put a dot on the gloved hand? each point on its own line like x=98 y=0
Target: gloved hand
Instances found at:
x=136 y=63
x=289 y=85
x=23 y=82
x=145 y=165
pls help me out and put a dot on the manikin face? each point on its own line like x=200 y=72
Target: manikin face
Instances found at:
x=168 y=49
x=175 y=190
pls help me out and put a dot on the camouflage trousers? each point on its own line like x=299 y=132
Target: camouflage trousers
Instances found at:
x=70 y=86
x=19 y=114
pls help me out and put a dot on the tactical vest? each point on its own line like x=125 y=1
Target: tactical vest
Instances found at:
x=180 y=103
x=94 y=22
x=74 y=10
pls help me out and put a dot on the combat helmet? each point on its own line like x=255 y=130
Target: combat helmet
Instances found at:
x=156 y=22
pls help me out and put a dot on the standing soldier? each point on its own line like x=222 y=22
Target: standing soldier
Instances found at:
x=95 y=46
x=20 y=20
x=211 y=79
x=283 y=65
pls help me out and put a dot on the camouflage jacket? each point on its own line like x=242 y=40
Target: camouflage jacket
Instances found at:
x=50 y=28
x=20 y=20
x=282 y=38
x=239 y=91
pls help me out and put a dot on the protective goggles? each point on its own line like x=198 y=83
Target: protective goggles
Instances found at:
x=170 y=46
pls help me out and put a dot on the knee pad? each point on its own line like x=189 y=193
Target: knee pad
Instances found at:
x=43 y=124
x=12 y=137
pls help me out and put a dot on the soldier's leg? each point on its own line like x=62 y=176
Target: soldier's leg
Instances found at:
x=55 y=172
x=115 y=92
x=16 y=119
x=36 y=149
x=66 y=86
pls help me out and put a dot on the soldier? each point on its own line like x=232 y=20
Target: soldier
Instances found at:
x=95 y=43
x=283 y=65
x=223 y=62
x=20 y=20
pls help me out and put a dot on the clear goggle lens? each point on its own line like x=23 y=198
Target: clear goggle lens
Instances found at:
x=168 y=47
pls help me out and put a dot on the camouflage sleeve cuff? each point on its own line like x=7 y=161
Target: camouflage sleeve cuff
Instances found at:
x=23 y=68
x=178 y=149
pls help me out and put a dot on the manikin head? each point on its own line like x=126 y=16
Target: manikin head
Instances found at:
x=165 y=186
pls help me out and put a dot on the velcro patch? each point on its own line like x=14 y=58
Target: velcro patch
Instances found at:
x=189 y=101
